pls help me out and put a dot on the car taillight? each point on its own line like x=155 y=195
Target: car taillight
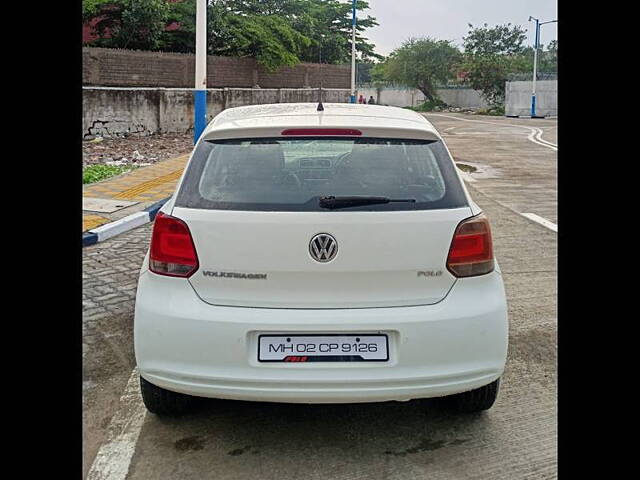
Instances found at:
x=172 y=250
x=471 y=251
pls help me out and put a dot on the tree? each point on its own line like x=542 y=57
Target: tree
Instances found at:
x=549 y=57
x=325 y=23
x=490 y=55
x=135 y=24
x=182 y=37
x=498 y=40
x=269 y=39
x=328 y=24
x=275 y=32
x=422 y=63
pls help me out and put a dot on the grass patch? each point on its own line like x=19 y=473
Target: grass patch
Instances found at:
x=95 y=173
x=466 y=168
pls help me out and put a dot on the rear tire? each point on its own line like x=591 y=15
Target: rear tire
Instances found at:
x=475 y=400
x=165 y=402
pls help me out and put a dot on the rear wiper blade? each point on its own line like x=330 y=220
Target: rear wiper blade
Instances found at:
x=333 y=202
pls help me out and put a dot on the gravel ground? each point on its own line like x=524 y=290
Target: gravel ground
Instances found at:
x=151 y=149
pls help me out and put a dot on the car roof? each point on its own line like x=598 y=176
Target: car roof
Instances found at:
x=270 y=120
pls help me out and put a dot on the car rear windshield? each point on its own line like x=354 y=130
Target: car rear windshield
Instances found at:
x=282 y=174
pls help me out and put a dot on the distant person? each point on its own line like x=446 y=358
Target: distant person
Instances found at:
x=361 y=99
x=371 y=100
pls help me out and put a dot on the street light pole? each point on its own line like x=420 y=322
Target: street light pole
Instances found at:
x=535 y=67
x=536 y=45
x=200 y=91
x=352 y=99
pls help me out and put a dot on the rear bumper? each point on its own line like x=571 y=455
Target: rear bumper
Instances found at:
x=186 y=345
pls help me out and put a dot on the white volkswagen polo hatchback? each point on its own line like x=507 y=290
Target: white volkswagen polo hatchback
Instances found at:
x=328 y=256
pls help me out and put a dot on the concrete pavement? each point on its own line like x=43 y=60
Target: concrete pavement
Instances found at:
x=413 y=440
x=515 y=168
x=230 y=440
x=135 y=191
x=225 y=440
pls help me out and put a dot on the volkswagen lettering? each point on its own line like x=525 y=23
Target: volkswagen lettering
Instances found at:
x=320 y=256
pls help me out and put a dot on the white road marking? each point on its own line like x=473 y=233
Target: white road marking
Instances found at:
x=460 y=134
x=538 y=136
x=534 y=133
x=114 y=457
x=542 y=221
x=534 y=136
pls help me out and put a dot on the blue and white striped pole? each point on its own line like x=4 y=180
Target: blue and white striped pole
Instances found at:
x=535 y=62
x=535 y=68
x=352 y=99
x=200 y=91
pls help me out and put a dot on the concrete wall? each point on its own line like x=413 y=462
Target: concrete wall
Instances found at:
x=462 y=97
x=405 y=97
x=109 y=111
x=518 y=98
x=397 y=97
x=132 y=68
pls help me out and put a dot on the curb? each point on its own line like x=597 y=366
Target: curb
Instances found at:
x=122 y=225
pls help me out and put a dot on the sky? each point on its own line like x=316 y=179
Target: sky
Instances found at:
x=448 y=19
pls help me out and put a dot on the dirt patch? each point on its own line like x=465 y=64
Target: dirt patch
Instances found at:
x=425 y=445
x=239 y=451
x=134 y=150
x=466 y=168
x=189 y=443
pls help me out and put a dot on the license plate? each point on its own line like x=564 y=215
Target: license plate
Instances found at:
x=323 y=348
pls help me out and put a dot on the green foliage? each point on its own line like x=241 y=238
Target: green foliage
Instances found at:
x=275 y=32
x=135 y=24
x=548 y=59
x=422 y=63
x=328 y=24
x=490 y=55
x=488 y=74
x=183 y=39
x=95 y=173
x=269 y=39
x=498 y=40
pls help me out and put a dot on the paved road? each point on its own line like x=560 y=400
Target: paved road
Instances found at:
x=231 y=440
x=110 y=275
x=515 y=170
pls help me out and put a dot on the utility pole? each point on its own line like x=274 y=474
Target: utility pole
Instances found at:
x=536 y=45
x=200 y=91
x=353 y=54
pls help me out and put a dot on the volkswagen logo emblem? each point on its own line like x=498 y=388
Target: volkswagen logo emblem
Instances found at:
x=323 y=248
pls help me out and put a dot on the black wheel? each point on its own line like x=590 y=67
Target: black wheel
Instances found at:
x=475 y=400
x=164 y=402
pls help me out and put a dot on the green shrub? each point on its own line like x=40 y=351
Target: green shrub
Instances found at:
x=429 y=106
x=497 y=111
